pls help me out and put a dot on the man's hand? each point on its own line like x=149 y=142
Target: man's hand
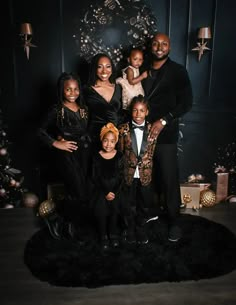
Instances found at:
x=110 y=196
x=155 y=130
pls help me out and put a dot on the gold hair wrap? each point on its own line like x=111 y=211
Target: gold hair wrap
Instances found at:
x=109 y=127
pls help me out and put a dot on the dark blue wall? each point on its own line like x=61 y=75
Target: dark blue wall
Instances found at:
x=28 y=86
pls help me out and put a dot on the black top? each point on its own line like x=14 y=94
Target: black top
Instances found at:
x=169 y=93
x=65 y=123
x=107 y=176
x=108 y=173
x=102 y=112
x=71 y=166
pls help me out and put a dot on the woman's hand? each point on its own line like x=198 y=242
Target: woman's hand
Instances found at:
x=110 y=196
x=62 y=144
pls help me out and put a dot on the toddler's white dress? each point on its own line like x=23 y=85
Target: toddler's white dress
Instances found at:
x=129 y=91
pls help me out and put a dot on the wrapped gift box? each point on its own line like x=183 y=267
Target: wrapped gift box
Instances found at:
x=222 y=186
x=190 y=193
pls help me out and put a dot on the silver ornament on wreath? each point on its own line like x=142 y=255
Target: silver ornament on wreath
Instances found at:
x=111 y=4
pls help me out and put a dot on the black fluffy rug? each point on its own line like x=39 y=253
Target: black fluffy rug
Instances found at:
x=206 y=250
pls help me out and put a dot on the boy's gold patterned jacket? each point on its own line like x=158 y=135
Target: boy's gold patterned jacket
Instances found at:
x=128 y=145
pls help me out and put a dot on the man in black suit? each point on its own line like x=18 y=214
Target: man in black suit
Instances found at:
x=169 y=92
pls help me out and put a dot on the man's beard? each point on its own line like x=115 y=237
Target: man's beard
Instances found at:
x=156 y=58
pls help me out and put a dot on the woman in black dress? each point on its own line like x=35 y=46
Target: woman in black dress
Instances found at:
x=65 y=131
x=103 y=97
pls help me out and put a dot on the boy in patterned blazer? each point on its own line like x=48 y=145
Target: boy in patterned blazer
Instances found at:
x=138 y=149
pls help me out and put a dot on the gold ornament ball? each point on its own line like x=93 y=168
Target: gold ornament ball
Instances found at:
x=30 y=200
x=46 y=208
x=207 y=198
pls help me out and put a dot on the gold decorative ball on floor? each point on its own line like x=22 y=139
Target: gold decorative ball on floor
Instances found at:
x=207 y=198
x=46 y=208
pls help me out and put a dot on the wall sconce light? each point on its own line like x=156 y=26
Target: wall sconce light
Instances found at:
x=26 y=35
x=203 y=33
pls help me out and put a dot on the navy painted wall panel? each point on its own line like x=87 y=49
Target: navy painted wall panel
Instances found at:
x=28 y=87
x=224 y=60
x=179 y=21
x=161 y=9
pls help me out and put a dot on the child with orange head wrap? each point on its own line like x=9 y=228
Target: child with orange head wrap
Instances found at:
x=107 y=178
x=109 y=127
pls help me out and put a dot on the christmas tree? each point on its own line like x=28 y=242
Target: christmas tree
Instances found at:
x=11 y=179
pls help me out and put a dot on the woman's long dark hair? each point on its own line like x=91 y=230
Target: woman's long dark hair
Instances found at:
x=93 y=69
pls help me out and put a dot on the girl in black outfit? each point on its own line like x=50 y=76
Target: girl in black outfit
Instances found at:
x=64 y=130
x=107 y=179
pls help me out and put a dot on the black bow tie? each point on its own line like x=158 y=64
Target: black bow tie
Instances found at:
x=139 y=127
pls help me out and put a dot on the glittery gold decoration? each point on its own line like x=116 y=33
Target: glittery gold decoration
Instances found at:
x=187 y=198
x=46 y=208
x=195 y=178
x=207 y=198
x=112 y=26
x=111 y=4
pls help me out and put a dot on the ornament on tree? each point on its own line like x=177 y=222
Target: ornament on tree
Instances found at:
x=12 y=182
x=2 y=192
x=11 y=179
x=112 y=26
x=3 y=151
x=30 y=200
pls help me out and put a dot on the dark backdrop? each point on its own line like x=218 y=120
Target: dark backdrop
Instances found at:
x=27 y=87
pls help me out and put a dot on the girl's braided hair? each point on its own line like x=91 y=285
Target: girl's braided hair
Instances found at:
x=60 y=93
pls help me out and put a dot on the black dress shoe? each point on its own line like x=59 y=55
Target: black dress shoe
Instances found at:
x=175 y=233
x=105 y=243
x=68 y=230
x=141 y=237
x=129 y=237
x=55 y=227
x=114 y=241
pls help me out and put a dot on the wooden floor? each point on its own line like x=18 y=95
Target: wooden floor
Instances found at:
x=18 y=286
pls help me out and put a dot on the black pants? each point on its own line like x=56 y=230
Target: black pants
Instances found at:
x=106 y=217
x=166 y=169
x=137 y=200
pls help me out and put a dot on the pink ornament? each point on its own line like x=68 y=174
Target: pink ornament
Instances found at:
x=30 y=200
x=2 y=192
x=12 y=182
x=3 y=151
